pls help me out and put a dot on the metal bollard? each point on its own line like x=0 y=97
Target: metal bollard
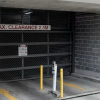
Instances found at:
x=61 y=83
x=41 y=77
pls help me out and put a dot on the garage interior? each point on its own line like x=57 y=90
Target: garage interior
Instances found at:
x=73 y=42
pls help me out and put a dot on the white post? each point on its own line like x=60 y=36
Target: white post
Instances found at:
x=54 y=76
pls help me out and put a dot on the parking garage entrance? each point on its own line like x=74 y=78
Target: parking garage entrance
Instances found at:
x=43 y=46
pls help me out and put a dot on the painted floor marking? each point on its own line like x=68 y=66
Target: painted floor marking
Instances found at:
x=70 y=84
x=6 y=93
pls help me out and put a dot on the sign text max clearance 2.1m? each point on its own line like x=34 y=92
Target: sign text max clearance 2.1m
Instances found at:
x=24 y=27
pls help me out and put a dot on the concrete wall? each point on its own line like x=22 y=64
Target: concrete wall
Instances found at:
x=87 y=42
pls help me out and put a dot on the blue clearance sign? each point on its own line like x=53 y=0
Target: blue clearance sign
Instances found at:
x=24 y=27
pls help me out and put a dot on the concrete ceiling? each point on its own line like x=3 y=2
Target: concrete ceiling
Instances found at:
x=65 y=5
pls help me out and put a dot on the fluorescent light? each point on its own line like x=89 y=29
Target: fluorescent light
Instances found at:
x=27 y=13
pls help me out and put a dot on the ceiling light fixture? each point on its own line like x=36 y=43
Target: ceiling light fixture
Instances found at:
x=27 y=12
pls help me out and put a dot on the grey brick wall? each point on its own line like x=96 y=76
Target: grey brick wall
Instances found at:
x=87 y=42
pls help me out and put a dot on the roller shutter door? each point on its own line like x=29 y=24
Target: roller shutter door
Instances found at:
x=43 y=46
